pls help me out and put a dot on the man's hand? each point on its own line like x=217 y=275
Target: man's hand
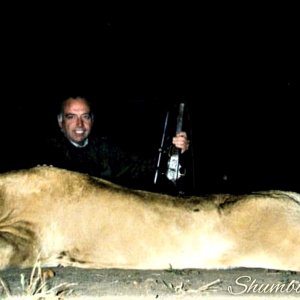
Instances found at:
x=181 y=141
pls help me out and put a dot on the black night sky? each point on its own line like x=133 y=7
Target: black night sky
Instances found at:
x=235 y=70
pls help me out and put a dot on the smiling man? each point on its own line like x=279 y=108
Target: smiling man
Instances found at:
x=76 y=120
x=79 y=149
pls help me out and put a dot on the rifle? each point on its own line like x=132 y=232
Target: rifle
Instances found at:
x=173 y=167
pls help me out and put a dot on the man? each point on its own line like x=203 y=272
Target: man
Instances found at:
x=79 y=150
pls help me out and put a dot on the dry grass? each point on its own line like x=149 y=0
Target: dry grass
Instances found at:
x=37 y=286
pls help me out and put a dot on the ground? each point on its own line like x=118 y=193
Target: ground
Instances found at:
x=160 y=284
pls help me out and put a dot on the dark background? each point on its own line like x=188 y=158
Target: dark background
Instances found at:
x=236 y=67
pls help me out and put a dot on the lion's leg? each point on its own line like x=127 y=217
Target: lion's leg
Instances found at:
x=6 y=252
x=15 y=251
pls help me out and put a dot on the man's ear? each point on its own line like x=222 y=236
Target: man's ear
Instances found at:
x=60 y=120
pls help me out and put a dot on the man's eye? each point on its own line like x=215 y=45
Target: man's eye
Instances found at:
x=86 y=117
x=69 y=117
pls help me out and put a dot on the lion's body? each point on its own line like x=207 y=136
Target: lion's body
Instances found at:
x=73 y=219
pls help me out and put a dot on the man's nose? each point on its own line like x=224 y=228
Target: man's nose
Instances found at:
x=79 y=122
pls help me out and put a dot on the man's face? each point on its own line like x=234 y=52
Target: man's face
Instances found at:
x=76 y=122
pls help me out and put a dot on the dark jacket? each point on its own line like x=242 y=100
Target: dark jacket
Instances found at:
x=104 y=159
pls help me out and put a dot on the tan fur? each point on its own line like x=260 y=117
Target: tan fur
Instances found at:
x=73 y=219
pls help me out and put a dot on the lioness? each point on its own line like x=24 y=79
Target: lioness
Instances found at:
x=73 y=219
